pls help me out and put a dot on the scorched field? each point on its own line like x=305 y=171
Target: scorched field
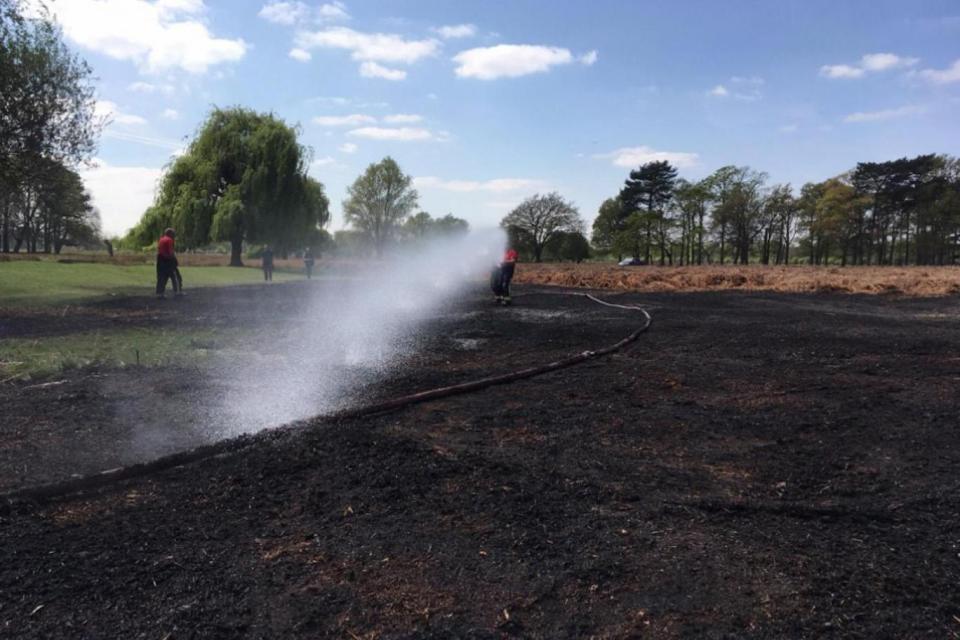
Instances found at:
x=757 y=465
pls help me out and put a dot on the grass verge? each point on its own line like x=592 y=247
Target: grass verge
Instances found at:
x=48 y=283
x=27 y=358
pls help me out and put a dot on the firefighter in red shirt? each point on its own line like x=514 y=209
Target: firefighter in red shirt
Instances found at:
x=506 y=275
x=166 y=262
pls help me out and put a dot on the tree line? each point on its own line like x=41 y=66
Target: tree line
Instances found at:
x=243 y=180
x=47 y=128
x=904 y=211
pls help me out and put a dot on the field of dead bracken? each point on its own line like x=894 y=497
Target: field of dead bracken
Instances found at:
x=910 y=281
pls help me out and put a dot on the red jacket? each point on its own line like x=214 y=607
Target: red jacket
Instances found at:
x=165 y=247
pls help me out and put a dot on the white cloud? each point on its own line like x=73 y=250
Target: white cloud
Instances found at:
x=300 y=54
x=373 y=70
x=156 y=36
x=403 y=118
x=171 y=114
x=401 y=134
x=497 y=185
x=635 y=156
x=456 y=31
x=108 y=109
x=884 y=114
x=744 y=88
x=120 y=193
x=884 y=61
x=789 y=128
x=329 y=99
x=943 y=76
x=509 y=60
x=146 y=87
x=351 y=120
x=322 y=162
x=377 y=47
x=333 y=11
x=840 y=71
x=870 y=62
x=589 y=58
x=348 y=147
x=284 y=12
x=289 y=13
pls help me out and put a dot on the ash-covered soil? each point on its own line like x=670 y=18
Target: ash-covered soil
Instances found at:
x=757 y=465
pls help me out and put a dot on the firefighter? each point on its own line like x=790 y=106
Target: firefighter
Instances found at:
x=507 y=267
x=166 y=263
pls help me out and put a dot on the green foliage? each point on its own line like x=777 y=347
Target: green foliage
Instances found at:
x=422 y=226
x=47 y=125
x=46 y=97
x=568 y=245
x=242 y=179
x=379 y=202
x=607 y=226
x=646 y=192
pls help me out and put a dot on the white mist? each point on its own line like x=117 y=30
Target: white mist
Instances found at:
x=350 y=334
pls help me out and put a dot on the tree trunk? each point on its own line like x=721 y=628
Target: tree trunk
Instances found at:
x=236 y=252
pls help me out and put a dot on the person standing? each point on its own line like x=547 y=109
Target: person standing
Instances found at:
x=308 y=261
x=166 y=262
x=266 y=261
x=507 y=267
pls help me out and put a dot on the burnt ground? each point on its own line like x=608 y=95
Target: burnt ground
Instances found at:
x=757 y=465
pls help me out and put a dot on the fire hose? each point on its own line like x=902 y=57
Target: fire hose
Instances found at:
x=56 y=490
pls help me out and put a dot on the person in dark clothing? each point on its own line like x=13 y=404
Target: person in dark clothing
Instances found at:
x=166 y=262
x=507 y=267
x=176 y=280
x=496 y=275
x=308 y=261
x=266 y=261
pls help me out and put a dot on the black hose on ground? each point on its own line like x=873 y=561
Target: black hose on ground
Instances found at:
x=75 y=485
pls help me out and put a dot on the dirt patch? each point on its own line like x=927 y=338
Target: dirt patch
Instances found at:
x=759 y=465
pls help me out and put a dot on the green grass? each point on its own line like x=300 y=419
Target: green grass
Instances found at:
x=32 y=283
x=26 y=358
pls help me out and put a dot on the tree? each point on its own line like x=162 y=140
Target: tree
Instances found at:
x=422 y=226
x=568 y=245
x=691 y=200
x=46 y=94
x=46 y=116
x=607 y=225
x=450 y=225
x=540 y=217
x=380 y=201
x=242 y=179
x=648 y=189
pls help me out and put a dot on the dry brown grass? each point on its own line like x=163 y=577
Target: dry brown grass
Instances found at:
x=910 y=281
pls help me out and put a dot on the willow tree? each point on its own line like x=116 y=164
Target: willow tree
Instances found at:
x=242 y=179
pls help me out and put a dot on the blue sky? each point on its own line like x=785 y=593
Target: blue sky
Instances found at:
x=486 y=103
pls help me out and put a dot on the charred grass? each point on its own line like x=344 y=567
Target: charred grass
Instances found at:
x=759 y=465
